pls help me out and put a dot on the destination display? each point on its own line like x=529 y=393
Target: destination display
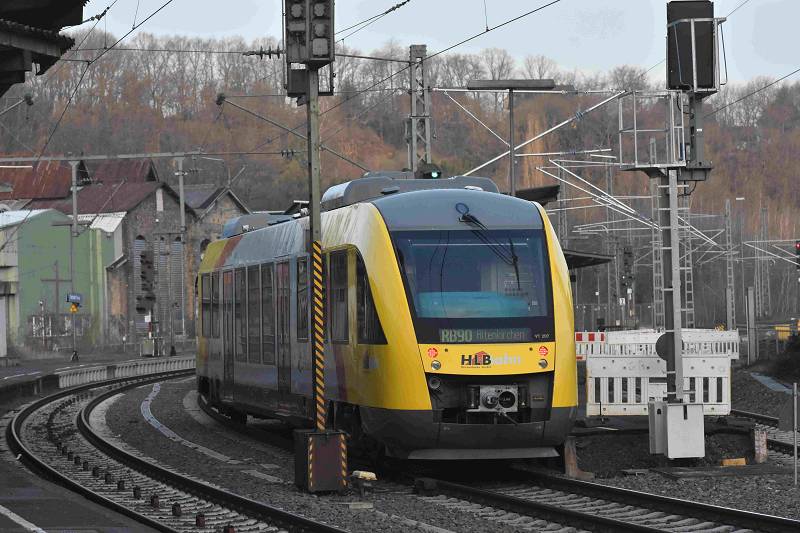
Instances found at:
x=469 y=335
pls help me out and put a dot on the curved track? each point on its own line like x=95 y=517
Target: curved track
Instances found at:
x=54 y=437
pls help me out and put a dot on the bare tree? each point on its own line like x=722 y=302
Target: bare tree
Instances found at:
x=540 y=67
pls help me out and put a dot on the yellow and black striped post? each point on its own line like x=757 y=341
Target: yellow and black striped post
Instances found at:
x=318 y=342
x=321 y=453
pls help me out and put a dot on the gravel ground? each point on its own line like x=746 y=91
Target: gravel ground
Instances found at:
x=393 y=504
x=763 y=494
x=750 y=395
x=773 y=494
x=633 y=452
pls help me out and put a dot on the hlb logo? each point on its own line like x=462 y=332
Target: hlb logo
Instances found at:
x=478 y=359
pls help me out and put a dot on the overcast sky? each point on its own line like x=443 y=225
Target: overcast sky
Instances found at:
x=589 y=35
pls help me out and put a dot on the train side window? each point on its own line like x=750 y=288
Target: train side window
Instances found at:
x=370 y=330
x=302 y=299
x=239 y=315
x=227 y=314
x=268 y=313
x=205 y=310
x=253 y=315
x=215 y=305
x=337 y=290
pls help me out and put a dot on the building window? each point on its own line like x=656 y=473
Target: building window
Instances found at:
x=268 y=315
x=302 y=299
x=205 y=306
x=337 y=290
x=214 y=294
x=240 y=315
x=369 y=325
x=253 y=315
x=159 y=200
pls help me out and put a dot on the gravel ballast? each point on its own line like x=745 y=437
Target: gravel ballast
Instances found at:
x=395 y=508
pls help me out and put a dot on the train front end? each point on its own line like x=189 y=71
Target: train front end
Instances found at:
x=486 y=291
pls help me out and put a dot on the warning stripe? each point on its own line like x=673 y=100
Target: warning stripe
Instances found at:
x=318 y=339
x=343 y=457
x=310 y=464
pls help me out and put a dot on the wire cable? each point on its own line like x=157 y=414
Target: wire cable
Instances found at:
x=735 y=9
x=71 y=98
x=748 y=95
x=428 y=58
x=370 y=20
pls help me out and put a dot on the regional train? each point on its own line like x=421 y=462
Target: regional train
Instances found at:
x=449 y=325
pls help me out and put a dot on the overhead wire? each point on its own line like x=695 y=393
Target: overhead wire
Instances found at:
x=74 y=92
x=368 y=22
x=748 y=95
x=428 y=58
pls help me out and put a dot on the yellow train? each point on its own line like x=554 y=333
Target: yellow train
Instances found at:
x=448 y=316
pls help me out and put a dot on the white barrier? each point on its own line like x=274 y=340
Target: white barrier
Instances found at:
x=81 y=376
x=588 y=343
x=624 y=373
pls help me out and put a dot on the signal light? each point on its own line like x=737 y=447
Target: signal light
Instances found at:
x=797 y=254
x=428 y=171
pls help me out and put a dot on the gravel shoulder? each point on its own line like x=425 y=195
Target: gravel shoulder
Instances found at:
x=250 y=461
x=772 y=494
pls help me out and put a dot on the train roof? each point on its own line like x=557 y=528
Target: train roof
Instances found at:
x=254 y=221
x=377 y=185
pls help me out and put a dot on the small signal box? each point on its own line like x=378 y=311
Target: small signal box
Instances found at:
x=320 y=460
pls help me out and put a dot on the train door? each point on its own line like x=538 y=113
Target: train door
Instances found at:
x=228 y=340
x=284 y=335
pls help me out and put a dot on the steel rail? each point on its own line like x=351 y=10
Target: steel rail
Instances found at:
x=533 y=509
x=691 y=509
x=38 y=465
x=250 y=507
x=290 y=521
x=672 y=506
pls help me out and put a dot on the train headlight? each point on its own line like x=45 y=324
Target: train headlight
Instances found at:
x=490 y=400
x=434 y=383
x=543 y=363
x=507 y=399
x=436 y=365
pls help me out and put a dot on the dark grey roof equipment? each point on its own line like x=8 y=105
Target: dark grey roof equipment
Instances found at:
x=245 y=223
x=378 y=184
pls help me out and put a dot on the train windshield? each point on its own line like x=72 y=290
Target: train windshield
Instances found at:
x=477 y=285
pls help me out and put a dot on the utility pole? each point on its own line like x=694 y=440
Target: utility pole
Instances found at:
x=693 y=73
x=418 y=126
x=730 y=294
x=512 y=178
x=72 y=236
x=321 y=463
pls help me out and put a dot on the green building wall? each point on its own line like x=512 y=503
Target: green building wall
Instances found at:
x=41 y=246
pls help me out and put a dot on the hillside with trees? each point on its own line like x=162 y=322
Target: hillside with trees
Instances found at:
x=157 y=94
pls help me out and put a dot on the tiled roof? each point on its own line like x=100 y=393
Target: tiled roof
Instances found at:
x=104 y=198
x=200 y=196
x=49 y=180
x=132 y=170
x=50 y=14
x=63 y=41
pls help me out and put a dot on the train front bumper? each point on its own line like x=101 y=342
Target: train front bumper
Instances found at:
x=415 y=435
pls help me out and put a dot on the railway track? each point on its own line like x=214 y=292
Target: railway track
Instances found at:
x=599 y=507
x=54 y=437
x=550 y=503
x=781 y=441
